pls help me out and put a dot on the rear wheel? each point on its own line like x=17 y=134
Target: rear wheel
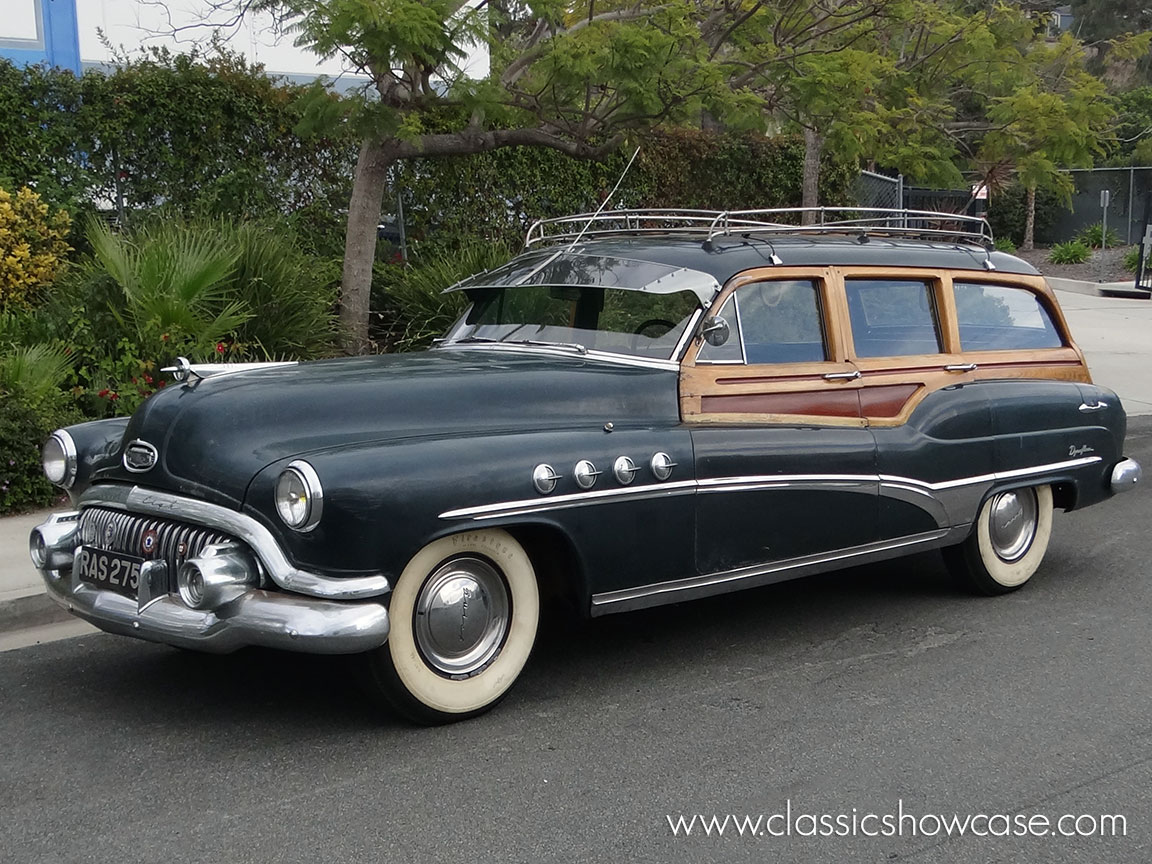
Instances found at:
x=1007 y=543
x=464 y=615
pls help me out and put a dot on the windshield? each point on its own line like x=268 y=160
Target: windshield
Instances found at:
x=582 y=318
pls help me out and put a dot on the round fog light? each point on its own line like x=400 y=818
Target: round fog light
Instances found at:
x=38 y=549
x=190 y=581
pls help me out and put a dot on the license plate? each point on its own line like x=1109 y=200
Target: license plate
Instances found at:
x=109 y=570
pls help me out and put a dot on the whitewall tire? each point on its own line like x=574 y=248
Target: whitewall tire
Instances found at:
x=1008 y=541
x=463 y=617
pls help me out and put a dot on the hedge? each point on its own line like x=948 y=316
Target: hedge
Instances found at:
x=216 y=136
x=497 y=195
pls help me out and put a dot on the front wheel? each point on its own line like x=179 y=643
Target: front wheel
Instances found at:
x=463 y=616
x=1007 y=543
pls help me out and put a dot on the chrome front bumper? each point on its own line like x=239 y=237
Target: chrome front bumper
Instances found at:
x=254 y=616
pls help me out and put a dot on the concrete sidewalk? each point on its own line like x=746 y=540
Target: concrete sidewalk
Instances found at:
x=1116 y=337
x=1115 y=334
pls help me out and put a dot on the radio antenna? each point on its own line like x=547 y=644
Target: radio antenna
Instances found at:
x=604 y=203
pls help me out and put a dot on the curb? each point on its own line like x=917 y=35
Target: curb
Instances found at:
x=32 y=611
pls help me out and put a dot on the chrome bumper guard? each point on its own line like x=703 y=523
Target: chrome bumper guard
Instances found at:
x=1125 y=475
x=240 y=616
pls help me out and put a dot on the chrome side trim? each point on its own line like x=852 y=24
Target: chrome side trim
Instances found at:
x=678 y=590
x=754 y=482
x=242 y=527
x=574 y=499
x=999 y=475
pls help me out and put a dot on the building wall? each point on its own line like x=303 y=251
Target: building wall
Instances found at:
x=81 y=34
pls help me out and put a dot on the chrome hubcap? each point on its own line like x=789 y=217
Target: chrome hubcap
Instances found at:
x=461 y=616
x=1012 y=523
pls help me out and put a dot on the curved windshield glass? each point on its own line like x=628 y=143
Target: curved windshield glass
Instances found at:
x=582 y=318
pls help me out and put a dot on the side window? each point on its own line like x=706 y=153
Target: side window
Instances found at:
x=892 y=317
x=995 y=317
x=775 y=322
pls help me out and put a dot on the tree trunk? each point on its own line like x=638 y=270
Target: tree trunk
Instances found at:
x=360 y=243
x=810 y=189
x=1029 y=220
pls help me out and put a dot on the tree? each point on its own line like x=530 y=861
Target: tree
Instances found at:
x=575 y=77
x=1055 y=119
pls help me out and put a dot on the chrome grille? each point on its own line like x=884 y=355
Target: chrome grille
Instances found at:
x=117 y=531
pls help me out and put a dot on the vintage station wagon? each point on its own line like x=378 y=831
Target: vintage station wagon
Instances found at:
x=641 y=408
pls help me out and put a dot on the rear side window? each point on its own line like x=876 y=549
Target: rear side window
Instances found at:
x=892 y=317
x=996 y=317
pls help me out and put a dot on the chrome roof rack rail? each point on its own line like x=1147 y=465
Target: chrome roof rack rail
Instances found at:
x=861 y=222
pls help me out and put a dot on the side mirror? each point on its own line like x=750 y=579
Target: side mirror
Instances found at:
x=715 y=331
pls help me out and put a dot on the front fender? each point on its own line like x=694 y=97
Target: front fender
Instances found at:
x=384 y=502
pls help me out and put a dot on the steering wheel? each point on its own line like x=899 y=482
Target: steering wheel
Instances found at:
x=655 y=322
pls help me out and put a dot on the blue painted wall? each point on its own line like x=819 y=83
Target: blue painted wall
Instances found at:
x=59 y=44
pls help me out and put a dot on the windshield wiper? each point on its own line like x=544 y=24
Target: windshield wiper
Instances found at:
x=467 y=339
x=575 y=346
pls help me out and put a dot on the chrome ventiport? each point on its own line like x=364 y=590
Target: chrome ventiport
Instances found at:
x=544 y=478
x=662 y=466
x=585 y=474
x=625 y=470
x=1125 y=475
x=52 y=544
x=221 y=573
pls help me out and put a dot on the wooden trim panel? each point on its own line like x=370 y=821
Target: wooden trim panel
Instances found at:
x=889 y=388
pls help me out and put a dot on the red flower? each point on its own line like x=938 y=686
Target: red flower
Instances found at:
x=219 y=347
x=103 y=393
x=163 y=337
x=113 y=396
x=147 y=378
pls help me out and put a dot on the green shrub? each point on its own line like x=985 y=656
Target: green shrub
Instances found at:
x=1072 y=252
x=1132 y=260
x=209 y=290
x=1005 y=244
x=414 y=308
x=32 y=406
x=1093 y=235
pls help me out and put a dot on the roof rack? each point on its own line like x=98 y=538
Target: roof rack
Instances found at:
x=862 y=222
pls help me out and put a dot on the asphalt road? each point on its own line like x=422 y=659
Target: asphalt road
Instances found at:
x=855 y=690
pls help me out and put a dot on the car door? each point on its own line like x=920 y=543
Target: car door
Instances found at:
x=784 y=460
x=921 y=395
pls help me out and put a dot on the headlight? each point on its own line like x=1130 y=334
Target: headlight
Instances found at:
x=299 y=497
x=59 y=459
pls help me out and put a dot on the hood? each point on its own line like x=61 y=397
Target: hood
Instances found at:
x=213 y=435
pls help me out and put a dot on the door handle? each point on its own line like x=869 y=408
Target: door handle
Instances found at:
x=843 y=376
x=961 y=367
x=1085 y=407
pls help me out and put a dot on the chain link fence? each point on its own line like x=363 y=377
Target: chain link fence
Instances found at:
x=882 y=192
x=1129 y=188
x=876 y=190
